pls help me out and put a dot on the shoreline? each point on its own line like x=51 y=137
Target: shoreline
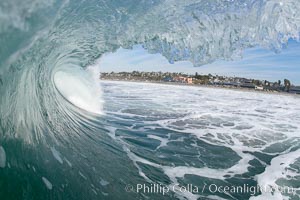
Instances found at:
x=207 y=86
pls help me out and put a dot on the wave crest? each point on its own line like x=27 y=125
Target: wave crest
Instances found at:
x=49 y=47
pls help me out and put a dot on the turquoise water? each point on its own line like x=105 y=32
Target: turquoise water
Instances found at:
x=188 y=141
x=204 y=139
x=64 y=136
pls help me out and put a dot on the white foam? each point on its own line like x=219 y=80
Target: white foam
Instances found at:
x=68 y=162
x=241 y=121
x=83 y=176
x=2 y=157
x=273 y=172
x=103 y=182
x=47 y=183
x=204 y=172
x=81 y=88
x=56 y=155
x=163 y=141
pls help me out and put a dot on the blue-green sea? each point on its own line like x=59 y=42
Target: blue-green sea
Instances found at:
x=65 y=135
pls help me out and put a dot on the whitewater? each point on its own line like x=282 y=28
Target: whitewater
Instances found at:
x=230 y=138
x=64 y=136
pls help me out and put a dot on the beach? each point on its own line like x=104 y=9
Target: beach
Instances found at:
x=207 y=86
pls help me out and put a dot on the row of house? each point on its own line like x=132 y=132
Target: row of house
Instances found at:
x=236 y=82
x=179 y=79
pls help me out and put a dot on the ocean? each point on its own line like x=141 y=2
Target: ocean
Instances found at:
x=158 y=141
x=65 y=136
x=196 y=141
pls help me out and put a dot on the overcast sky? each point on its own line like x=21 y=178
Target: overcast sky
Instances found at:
x=256 y=63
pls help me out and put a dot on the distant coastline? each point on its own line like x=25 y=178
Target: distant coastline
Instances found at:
x=206 y=86
x=210 y=81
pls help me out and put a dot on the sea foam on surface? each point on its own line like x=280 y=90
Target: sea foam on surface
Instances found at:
x=2 y=157
x=47 y=183
x=207 y=133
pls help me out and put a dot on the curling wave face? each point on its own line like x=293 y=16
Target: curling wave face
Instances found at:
x=82 y=91
x=50 y=103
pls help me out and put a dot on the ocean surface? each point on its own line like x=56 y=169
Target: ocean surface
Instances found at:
x=193 y=136
x=64 y=136
x=156 y=141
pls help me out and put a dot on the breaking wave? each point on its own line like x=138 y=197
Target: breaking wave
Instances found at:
x=50 y=99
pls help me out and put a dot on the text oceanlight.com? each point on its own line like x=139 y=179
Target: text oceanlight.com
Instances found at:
x=207 y=188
